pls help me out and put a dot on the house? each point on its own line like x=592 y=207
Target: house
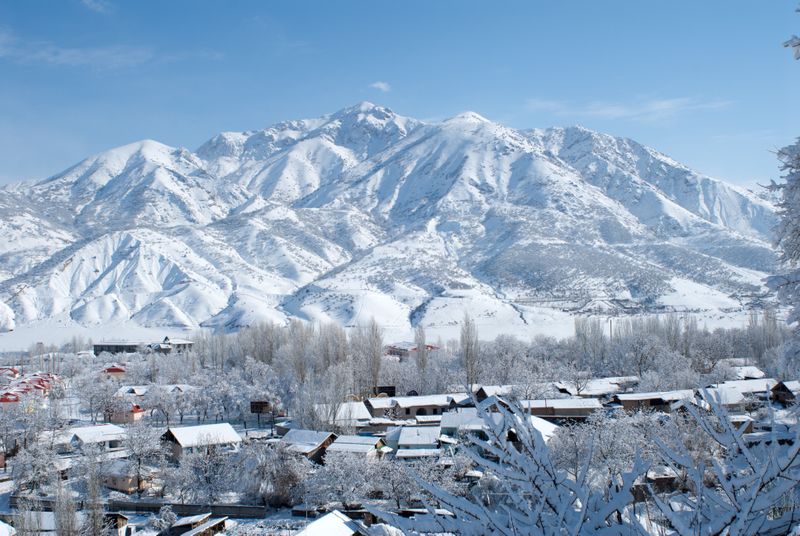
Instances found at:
x=747 y=372
x=127 y=414
x=309 y=443
x=405 y=349
x=727 y=396
x=409 y=407
x=334 y=524
x=380 y=406
x=116 y=523
x=165 y=346
x=464 y=420
x=759 y=388
x=132 y=391
x=344 y=415
x=168 y=346
x=210 y=527
x=9 y=372
x=416 y=454
x=185 y=439
x=400 y=349
x=539 y=390
x=367 y=445
x=120 y=476
x=184 y=524
x=118 y=347
x=428 y=420
x=485 y=391
x=105 y=436
x=598 y=387
x=114 y=370
x=561 y=408
x=786 y=392
x=419 y=437
x=9 y=396
x=659 y=400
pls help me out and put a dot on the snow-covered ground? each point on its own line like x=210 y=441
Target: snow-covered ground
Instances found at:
x=540 y=321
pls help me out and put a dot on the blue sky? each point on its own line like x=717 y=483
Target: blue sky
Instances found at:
x=705 y=82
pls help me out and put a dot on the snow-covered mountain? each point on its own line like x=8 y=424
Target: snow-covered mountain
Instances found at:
x=367 y=213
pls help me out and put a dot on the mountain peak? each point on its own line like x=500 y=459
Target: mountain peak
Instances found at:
x=468 y=117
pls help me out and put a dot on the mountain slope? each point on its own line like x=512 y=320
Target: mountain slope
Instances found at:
x=367 y=213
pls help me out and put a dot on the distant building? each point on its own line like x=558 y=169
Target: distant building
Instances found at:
x=130 y=347
x=309 y=443
x=405 y=349
x=185 y=439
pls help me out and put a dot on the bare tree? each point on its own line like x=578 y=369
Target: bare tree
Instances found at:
x=422 y=349
x=64 y=511
x=469 y=349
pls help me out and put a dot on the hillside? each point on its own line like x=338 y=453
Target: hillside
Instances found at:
x=368 y=213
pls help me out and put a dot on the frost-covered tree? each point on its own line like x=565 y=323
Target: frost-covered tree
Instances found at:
x=34 y=466
x=366 y=344
x=747 y=488
x=530 y=495
x=421 y=354
x=64 y=511
x=346 y=478
x=143 y=443
x=469 y=349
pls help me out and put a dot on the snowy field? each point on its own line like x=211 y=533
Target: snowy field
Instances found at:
x=540 y=321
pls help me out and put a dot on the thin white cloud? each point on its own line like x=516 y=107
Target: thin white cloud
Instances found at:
x=98 y=57
x=639 y=110
x=98 y=6
x=381 y=86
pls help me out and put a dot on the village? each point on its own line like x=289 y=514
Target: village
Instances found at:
x=230 y=455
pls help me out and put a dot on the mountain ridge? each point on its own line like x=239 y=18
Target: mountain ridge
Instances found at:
x=364 y=212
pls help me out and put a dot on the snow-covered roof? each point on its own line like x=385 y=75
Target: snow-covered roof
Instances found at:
x=357 y=440
x=465 y=419
x=135 y=390
x=724 y=394
x=98 y=434
x=792 y=385
x=7 y=530
x=354 y=443
x=761 y=385
x=428 y=419
x=545 y=428
x=305 y=441
x=346 y=413
x=191 y=520
x=748 y=372
x=681 y=394
x=332 y=524
x=419 y=436
x=442 y=400
x=598 y=386
x=497 y=390
x=203 y=529
x=562 y=403
x=417 y=453
x=351 y=447
x=381 y=402
x=205 y=434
